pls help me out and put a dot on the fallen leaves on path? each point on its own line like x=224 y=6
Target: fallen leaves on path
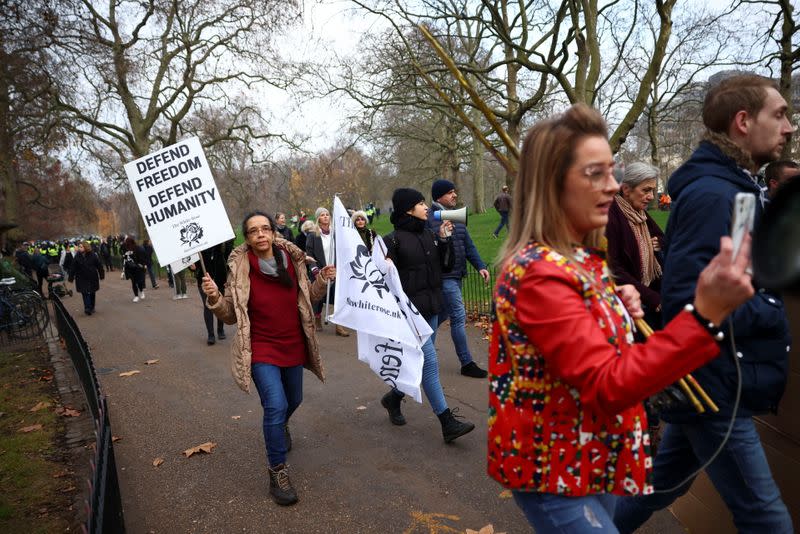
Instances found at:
x=237 y=417
x=115 y=439
x=361 y=408
x=157 y=462
x=488 y=529
x=506 y=494
x=32 y=428
x=206 y=447
x=151 y=362
x=62 y=474
x=40 y=406
x=129 y=373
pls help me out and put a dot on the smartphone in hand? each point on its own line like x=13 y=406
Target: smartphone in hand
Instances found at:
x=744 y=213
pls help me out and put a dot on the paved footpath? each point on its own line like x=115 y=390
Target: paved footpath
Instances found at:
x=354 y=471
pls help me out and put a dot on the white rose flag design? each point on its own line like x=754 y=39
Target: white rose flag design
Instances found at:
x=373 y=303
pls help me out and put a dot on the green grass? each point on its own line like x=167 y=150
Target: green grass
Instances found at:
x=480 y=226
x=32 y=500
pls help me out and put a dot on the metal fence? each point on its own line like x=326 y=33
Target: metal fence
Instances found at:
x=477 y=294
x=105 y=506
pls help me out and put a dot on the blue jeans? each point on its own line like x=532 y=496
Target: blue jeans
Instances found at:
x=740 y=474
x=88 y=301
x=454 y=306
x=503 y=222
x=555 y=514
x=430 y=372
x=281 y=392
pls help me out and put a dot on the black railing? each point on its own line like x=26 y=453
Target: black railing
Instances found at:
x=477 y=294
x=105 y=506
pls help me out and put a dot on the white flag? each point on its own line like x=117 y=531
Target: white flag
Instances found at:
x=373 y=303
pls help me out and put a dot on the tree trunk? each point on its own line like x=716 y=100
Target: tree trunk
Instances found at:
x=787 y=28
x=8 y=170
x=476 y=167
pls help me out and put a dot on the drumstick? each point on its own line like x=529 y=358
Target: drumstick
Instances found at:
x=647 y=331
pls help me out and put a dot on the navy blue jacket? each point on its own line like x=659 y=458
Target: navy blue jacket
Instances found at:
x=463 y=246
x=703 y=191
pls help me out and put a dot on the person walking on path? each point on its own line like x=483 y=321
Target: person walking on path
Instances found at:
x=86 y=271
x=320 y=246
x=420 y=258
x=268 y=296
x=502 y=203
x=133 y=262
x=567 y=429
x=368 y=235
x=445 y=196
x=283 y=229
x=179 y=279
x=635 y=240
x=39 y=263
x=149 y=251
x=746 y=127
x=105 y=255
x=215 y=259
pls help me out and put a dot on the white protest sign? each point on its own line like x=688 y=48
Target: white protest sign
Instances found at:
x=179 y=201
x=183 y=263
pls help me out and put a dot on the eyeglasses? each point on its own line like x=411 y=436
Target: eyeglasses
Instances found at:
x=597 y=174
x=255 y=231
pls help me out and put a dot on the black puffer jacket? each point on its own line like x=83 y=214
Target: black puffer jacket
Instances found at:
x=420 y=257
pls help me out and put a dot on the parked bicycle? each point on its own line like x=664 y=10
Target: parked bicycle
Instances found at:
x=23 y=313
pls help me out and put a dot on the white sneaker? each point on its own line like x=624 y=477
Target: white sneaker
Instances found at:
x=135 y=299
x=141 y=294
x=184 y=296
x=177 y=297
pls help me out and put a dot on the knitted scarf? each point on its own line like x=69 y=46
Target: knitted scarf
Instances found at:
x=651 y=270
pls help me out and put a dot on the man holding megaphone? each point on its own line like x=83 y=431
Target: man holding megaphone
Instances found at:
x=444 y=195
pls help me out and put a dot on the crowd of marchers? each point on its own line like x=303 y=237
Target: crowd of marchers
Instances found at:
x=585 y=426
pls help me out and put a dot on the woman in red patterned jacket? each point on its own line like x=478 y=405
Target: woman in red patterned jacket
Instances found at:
x=567 y=429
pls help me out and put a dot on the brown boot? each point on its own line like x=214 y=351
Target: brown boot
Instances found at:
x=341 y=331
x=318 y=322
x=280 y=486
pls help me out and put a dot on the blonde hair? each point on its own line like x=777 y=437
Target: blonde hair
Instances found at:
x=547 y=153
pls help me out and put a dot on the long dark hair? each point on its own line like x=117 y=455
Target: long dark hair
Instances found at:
x=277 y=252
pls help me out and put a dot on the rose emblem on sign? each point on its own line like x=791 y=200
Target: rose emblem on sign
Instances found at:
x=191 y=234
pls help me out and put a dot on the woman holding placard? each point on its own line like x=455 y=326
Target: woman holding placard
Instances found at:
x=266 y=278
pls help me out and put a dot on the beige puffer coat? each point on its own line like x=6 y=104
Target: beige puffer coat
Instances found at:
x=232 y=309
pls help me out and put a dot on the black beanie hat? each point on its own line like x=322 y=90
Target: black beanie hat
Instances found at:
x=404 y=199
x=440 y=188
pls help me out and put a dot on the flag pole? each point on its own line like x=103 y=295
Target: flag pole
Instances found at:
x=333 y=242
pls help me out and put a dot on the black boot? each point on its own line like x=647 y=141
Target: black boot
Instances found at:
x=391 y=401
x=280 y=486
x=287 y=437
x=452 y=428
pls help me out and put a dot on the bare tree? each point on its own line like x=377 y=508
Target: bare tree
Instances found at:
x=29 y=132
x=140 y=68
x=544 y=54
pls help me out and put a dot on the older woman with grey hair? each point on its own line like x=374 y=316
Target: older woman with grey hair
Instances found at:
x=634 y=238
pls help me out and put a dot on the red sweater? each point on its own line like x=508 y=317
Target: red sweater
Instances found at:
x=276 y=335
x=566 y=382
